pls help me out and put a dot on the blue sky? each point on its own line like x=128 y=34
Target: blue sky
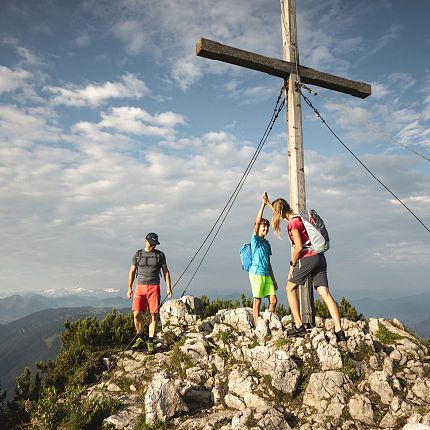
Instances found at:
x=111 y=127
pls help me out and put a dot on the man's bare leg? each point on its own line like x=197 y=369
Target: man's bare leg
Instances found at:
x=138 y=321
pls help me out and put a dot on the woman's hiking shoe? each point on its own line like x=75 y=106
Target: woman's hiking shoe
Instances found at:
x=340 y=336
x=138 y=345
x=297 y=332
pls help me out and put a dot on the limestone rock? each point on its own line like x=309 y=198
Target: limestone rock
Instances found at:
x=273 y=319
x=360 y=409
x=240 y=319
x=420 y=392
x=326 y=392
x=416 y=426
x=224 y=375
x=195 y=348
x=328 y=354
x=378 y=382
x=273 y=420
x=262 y=330
x=246 y=387
x=277 y=364
x=162 y=399
x=124 y=418
x=183 y=311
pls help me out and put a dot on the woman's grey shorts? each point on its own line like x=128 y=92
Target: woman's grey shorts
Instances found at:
x=314 y=267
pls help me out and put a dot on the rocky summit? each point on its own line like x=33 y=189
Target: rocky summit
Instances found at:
x=221 y=373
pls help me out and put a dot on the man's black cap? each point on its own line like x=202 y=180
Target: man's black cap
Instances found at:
x=152 y=238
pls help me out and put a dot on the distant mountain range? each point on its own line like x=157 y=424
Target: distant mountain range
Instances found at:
x=411 y=310
x=18 y=306
x=35 y=337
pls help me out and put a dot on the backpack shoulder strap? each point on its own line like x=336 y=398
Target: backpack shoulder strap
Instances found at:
x=138 y=256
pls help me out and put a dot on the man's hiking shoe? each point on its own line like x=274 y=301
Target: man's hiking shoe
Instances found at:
x=150 y=347
x=138 y=345
x=340 y=336
x=297 y=332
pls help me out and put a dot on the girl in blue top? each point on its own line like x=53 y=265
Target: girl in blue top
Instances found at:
x=263 y=283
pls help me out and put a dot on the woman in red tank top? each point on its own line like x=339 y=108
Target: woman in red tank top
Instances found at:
x=305 y=263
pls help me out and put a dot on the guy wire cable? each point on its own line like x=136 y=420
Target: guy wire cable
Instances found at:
x=275 y=114
x=309 y=103
x=250 y=165
x=231 y=197
x=370 y=126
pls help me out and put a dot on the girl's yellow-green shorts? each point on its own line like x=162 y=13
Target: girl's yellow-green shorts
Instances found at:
x=262 y=286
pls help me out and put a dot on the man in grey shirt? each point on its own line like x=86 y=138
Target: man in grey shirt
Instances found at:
x=148 y=262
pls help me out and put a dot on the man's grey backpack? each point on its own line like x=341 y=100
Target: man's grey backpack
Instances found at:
x=317 y=232
x=139 y=257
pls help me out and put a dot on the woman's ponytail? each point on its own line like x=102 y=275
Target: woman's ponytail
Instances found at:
x=280 y=211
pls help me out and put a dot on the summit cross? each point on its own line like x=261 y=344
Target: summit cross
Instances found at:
x=290 y=70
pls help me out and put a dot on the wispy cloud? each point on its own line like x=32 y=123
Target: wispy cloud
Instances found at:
x=379 y=90
x=169 y=30
x=26 y=126
x=30 y=58
x=11 y=80
x=132 y=34
x=392 y=33
x=97 y=94
x=403 y=81
x=136 y=121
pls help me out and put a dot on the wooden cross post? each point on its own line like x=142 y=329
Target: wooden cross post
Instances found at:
x=288 y=69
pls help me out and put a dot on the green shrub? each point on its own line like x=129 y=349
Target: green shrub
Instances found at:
x=346 y=310
x=211 y=308
x=114 y=331
x=279 y=343
x=141 y=424
x=282 y=310
x=72 y=412
x=321 y=310
x=178 y=361
x=386 y=336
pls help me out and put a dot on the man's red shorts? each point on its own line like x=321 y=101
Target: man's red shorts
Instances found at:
x=147 y=295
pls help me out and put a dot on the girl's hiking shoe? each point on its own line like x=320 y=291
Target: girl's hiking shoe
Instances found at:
x=297 y=332
x=138 y=345
x=340 y=336
x=150 y=347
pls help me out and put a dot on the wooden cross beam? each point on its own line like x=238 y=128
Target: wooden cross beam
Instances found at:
x=280 y=68
x=288 y=69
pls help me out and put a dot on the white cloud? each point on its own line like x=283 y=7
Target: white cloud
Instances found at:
x=391 y=33
x=132 y=34
x=81 y=41
x=30 y=58
x=95 y=95
x=379 y=91
x=416 y=133
x=132 y=120
x=402 y=80
x=99 y=198
x=169 y=30
x=11 y=80
x=84 y=197
x=24 y=127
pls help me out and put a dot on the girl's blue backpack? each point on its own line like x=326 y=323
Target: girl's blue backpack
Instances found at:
x=246 y=256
